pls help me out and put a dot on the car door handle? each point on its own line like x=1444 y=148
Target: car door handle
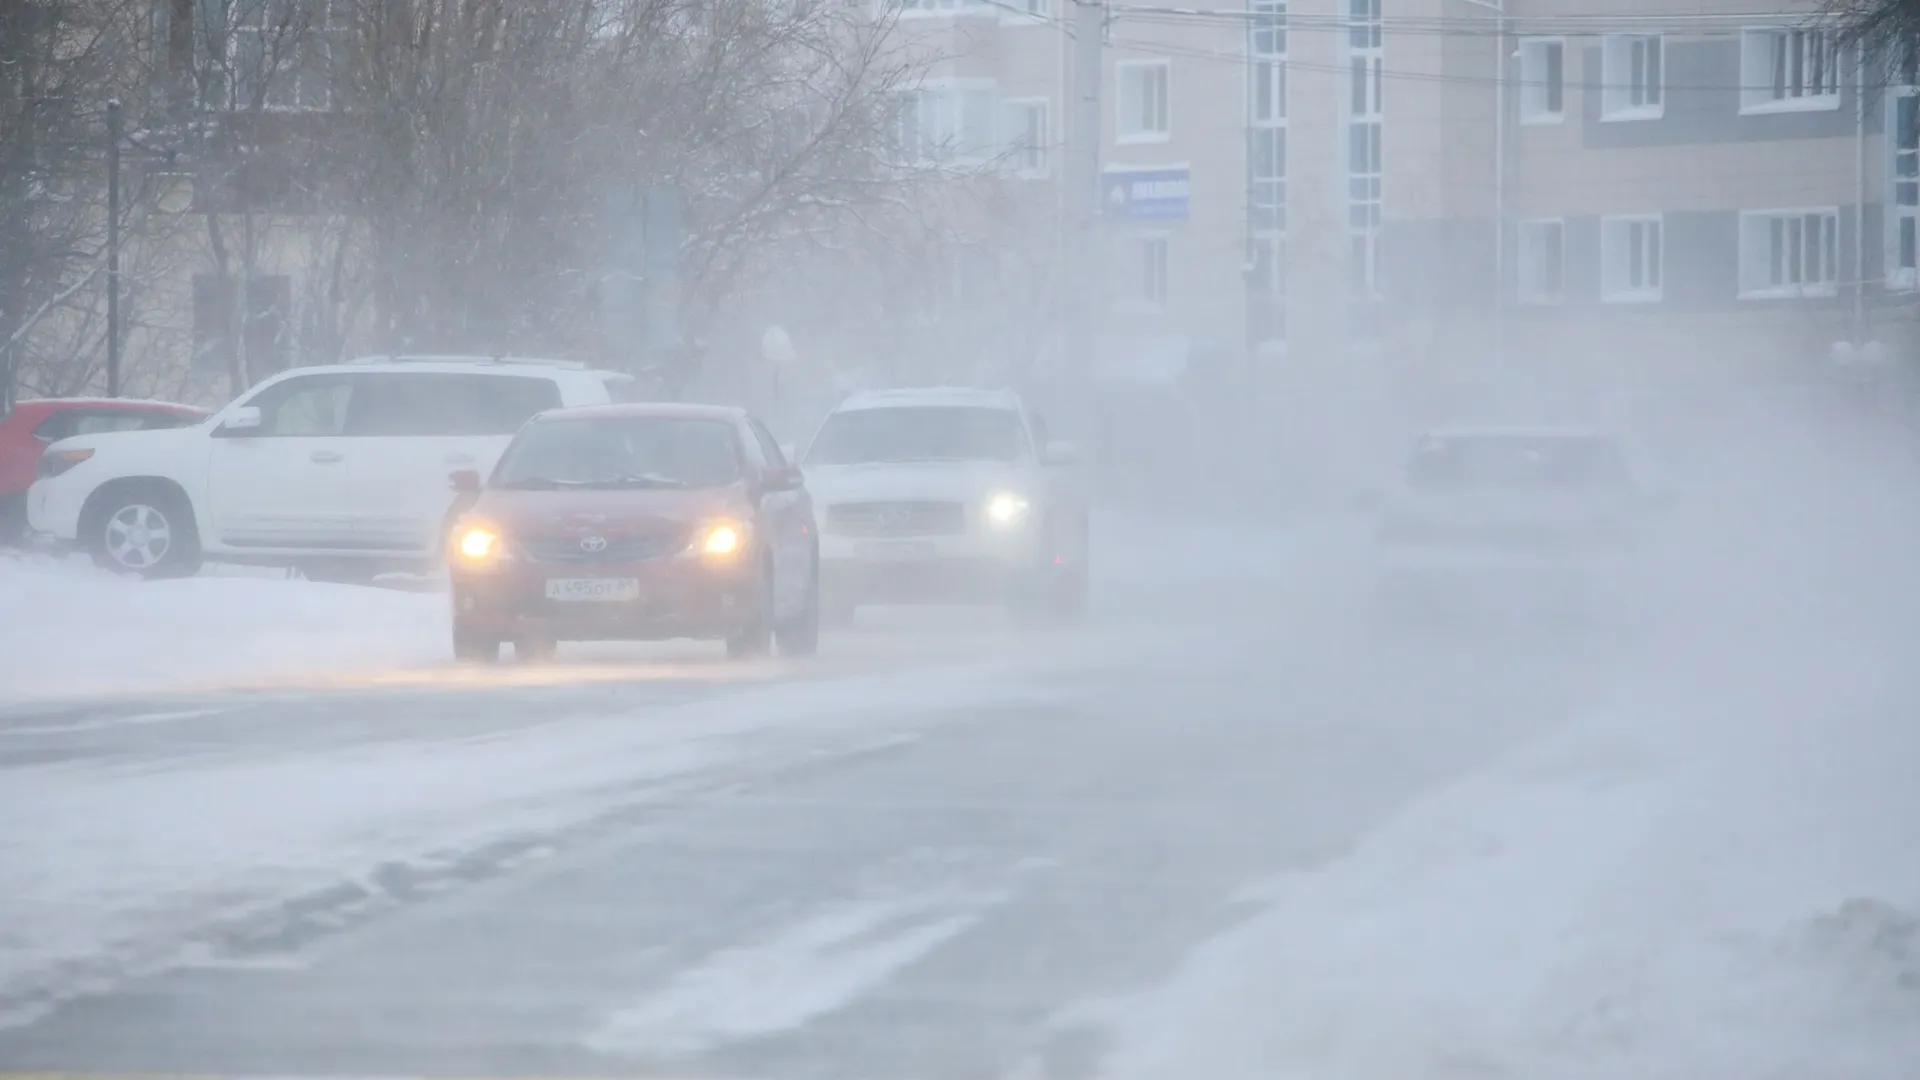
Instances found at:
x=327 y=457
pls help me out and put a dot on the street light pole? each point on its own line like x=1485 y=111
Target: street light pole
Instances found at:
x=113 y=248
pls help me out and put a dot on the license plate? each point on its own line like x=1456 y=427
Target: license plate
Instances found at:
x=897 y=551
x=603 y=590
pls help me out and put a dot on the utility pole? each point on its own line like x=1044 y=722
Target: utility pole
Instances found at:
x=1083 y=189
x=113 y=248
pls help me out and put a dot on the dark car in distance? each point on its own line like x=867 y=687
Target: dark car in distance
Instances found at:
x=638 y=522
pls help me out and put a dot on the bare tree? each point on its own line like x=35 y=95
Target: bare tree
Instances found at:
x=61 y=61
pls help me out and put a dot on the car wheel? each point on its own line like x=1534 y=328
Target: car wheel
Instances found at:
x=800 y=635
x=757 y=636
x=474 y=647
x=146 y=532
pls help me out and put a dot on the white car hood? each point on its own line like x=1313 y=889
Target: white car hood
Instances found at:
x=956 y=481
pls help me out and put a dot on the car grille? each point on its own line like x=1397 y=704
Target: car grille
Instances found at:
x=898 y=519
x=622 y=549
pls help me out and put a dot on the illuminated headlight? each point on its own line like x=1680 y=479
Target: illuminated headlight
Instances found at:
x=477 y=545
x=1006 y=508
x=720 y=541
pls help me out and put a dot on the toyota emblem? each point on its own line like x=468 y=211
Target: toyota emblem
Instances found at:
x=897 y=518
x=593 y=543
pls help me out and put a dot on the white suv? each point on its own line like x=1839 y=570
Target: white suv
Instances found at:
x=338 y=466
x=946 y=496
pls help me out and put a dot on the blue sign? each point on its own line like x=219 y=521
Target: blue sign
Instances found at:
x=1158 y=194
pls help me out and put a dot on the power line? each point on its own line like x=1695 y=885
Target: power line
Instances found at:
x=1239 y=59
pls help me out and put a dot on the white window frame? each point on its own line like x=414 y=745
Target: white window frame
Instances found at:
x=1528 y=264
x=1767 y=58
x=1124 y=133
x=1143 y=243
x=252 y=20
x=1903 y=191
x=1025 y=157
x=949 y=115
x=1817 y=267
x=1537 y=91
x=1267 y=115
x=1622 y=97
x=1366 y=111
x=1616 y=250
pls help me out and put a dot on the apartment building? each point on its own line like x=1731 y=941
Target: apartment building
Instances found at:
x=1311 y=179
x=1679 y=184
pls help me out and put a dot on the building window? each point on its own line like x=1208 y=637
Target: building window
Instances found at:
x=1365 y=168
x=1267 y=178
x=1145 y=100
x=1787 y=253
x=1267 y=117
x=1267 y=290
x=1363 y=25
x=1630 y=260
x=1903 y=224
x=1789 y=69
x=1026 y=132
x=1632 y=76
x=1153 y=271
x=1543 y=262
x=945 y=124
x=1543 y=82
x=279 y=56
x=1267 y=21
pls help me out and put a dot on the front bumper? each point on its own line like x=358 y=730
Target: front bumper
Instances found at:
x=978 y=567
x=677 y=599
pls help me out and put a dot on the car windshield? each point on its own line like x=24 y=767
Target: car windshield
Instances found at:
x=1507 y=462
x=919 y=433
x=617 y=452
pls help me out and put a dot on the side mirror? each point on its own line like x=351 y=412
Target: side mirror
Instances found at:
x=465 y=482
x=244 y=418
x=787 y=479
x=1060 y=453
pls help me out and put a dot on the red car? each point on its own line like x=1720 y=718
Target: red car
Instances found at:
x=636 y=523
x=33 y=425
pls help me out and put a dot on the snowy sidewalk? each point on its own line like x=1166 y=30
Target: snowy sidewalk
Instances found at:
x=71 y=629
x=1707 y=892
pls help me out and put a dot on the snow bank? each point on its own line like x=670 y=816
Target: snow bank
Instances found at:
x=1721 y=893
x=69 y=628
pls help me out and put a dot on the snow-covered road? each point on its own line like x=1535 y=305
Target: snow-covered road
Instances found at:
x=1223 y=829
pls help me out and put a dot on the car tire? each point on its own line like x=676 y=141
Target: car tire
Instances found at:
x=146 y=531
x=472 y=646
x=800 y=635
x=756 y=638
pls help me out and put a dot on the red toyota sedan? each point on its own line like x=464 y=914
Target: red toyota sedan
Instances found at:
x=636 y=523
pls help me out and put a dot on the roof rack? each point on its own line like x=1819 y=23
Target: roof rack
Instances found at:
x=570 y=365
